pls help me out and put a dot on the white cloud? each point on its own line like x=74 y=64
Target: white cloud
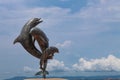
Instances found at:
x=51 y=16
x=101 y=10
x=98 y=16
x=27 y=69
x=111 y=63
x=66 y=43
x=55 y=65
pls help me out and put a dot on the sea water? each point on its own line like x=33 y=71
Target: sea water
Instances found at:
x=67 y=75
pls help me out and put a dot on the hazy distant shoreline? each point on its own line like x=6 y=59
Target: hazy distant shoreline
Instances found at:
x=66 y=75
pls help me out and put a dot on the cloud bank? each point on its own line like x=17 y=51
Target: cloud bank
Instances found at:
x=111 y=63
x=56 y=65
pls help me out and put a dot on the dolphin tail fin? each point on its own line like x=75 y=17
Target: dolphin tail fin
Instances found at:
x=17 y=40
x=42 y=73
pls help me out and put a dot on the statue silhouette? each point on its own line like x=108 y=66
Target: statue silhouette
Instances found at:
x=29 y=34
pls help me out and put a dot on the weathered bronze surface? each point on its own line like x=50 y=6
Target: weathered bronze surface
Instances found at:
x=41 y=38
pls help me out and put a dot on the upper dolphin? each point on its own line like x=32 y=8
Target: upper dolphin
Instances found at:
x=25 y=38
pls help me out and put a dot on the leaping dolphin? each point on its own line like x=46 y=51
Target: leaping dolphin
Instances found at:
x=41 y=38
x=25 y=39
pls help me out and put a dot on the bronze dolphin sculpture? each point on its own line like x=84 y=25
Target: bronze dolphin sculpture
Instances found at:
x=25 y=39
x=28 y=32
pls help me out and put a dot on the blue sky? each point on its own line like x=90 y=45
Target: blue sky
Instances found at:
x=83 y=30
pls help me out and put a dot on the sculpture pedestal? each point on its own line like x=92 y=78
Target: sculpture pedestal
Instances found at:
x=45 y=79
